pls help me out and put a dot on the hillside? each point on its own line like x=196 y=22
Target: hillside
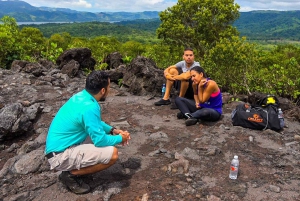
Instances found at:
x=271 y=25
x=138 y=30
x=255 y=25
x=24 y=12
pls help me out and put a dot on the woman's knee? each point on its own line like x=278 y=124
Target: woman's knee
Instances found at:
x=205 y=113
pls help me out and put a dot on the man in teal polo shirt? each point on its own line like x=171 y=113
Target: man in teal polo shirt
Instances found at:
x=78 y=141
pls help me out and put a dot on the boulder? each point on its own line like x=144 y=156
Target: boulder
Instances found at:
x=47 y=64
x=81 y=55
x=35 y=68
x=20 y=63
x=71 y=68
x=15 y=121
x=114 y=60
x=142 y=77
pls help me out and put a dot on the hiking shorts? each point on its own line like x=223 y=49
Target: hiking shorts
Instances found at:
x=80 y=156
x=189 y=93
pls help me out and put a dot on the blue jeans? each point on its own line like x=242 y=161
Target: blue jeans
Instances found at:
x=188 y=106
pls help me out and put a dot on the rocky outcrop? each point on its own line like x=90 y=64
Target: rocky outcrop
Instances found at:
x=16 y=119
x=113 y=60
x=27 y=86
x=81 y=55
x=32 y=93
x=142 y=77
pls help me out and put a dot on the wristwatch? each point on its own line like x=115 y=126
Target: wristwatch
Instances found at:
x=112 y=130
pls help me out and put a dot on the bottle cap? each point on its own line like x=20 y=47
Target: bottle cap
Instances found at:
x=235 y=157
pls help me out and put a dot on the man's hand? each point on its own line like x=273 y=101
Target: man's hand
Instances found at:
x=125 y=137
x=170 y=73
x=124 y=134
x=169 y=76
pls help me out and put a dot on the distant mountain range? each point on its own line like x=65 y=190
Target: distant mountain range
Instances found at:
x=256 y=25
x=24 y=12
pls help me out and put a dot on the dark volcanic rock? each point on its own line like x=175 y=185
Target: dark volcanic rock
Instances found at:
x=113 y=60
x=71 y=68
x=29 y=99
x=81 y=55
x=142 y=77
x=14 y=121
x=20 y=63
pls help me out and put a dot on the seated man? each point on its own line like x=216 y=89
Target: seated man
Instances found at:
x=78 y=141
x=179 y=76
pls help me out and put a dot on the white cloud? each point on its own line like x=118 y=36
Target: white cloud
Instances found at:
x=82 y=3
x=247 y=5
x=106 y=5
x=72 y=4
x=133 y=5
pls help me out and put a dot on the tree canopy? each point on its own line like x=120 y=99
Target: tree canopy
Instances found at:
x=198 y=23
x=8 y=49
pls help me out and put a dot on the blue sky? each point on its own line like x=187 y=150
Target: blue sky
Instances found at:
x=155 y=5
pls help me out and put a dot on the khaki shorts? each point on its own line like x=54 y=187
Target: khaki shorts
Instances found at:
x=81 y=156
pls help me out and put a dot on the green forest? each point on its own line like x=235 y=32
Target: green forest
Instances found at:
x=138 y=30
x=259 y=26
x=239 y=65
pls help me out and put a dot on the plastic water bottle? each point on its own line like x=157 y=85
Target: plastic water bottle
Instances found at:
x=248 y=107
x=280 y=117
x=234 y=167
x=163 y=90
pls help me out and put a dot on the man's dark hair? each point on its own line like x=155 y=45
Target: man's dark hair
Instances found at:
x=188 y=49
x=95 y=81
x=199 y=70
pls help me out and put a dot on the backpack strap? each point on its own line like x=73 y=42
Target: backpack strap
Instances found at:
x=259 y=108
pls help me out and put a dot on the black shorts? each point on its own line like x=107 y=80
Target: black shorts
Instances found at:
x=189 y=92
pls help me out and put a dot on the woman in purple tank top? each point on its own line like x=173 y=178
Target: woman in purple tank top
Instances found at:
x=207 y=103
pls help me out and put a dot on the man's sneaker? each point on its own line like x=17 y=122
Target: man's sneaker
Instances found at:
x=191 y=121
x=180 y=115
x=162 y=102
x=74 y=183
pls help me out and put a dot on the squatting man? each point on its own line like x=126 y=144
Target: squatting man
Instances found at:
x=78 y=141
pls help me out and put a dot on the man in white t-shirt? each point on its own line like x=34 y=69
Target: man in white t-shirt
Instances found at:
x=179 y=76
